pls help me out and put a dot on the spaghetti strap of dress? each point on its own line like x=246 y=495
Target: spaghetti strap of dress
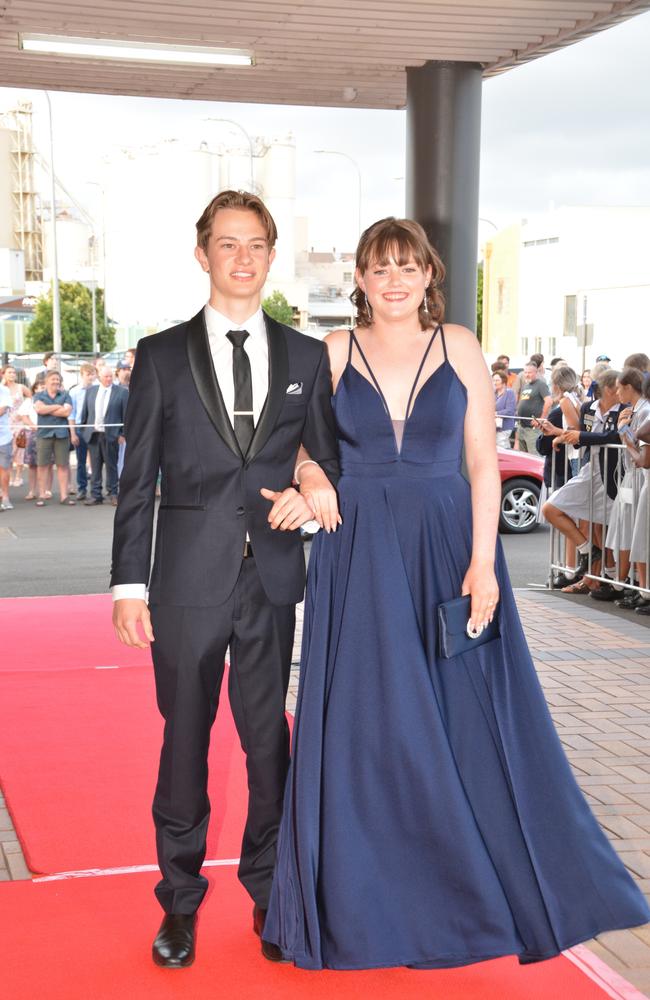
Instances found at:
x=442 y=337
x=376 y=384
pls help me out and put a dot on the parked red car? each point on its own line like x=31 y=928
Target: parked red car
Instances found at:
x=522 y=476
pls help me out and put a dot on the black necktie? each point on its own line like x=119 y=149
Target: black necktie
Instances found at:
x=241 y=370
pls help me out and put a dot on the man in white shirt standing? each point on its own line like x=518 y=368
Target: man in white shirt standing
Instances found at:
x=221 y=405
x=87 y=375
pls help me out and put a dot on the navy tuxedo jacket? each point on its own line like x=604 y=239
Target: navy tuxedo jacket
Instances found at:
x=115 y=412
x=177 y=422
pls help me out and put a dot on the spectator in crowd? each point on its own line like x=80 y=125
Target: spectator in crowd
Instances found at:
x=53 y=406
x=585 y=382
x=538 y=359
x=640 y=361
x=640 y=552
x=619 y=533
x=123 y=374
x=505 y=406
x=18 y=394
x=550 y=428
x=6 y=446
x=504 y=360
x=566 y=393
x=103 y=414
x=100 y=365
x=29 y=418
x=571 y=504
x=129 y=357
x=534 y=401
x=50 y=363
x=87 y=375
x=597 y=370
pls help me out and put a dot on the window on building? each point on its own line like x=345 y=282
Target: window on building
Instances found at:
x=538 y=345
x=347 y=275
x=552 y=347
x=524 y=346
x=570 y=315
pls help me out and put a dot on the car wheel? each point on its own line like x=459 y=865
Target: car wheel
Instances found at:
x=519 y=506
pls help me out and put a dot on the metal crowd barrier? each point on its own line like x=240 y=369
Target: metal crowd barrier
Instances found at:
x=598 y=520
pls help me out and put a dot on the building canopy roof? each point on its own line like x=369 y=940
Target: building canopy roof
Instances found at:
x=323 y=52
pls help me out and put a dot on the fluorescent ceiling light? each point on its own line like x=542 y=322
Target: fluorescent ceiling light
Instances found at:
x=96 y=48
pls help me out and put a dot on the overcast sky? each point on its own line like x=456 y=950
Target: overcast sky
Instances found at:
x=570 y=128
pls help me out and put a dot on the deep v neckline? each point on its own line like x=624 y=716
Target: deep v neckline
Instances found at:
x=413 y=396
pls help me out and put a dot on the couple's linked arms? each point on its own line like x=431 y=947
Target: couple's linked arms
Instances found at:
x=290 y=509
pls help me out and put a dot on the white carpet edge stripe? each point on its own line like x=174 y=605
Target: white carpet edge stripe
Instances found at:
x=610 y=982
x=130 y=870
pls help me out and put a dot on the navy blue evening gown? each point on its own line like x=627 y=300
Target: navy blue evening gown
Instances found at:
x=431 y=818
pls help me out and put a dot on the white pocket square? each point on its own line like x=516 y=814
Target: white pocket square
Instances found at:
x=294 y=389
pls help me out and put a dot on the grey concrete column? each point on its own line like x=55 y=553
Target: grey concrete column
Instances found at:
x=443 y=134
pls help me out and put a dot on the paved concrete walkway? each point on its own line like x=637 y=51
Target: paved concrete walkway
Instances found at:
x=595 y=670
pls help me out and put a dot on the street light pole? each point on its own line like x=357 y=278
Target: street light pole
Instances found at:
x=338 y=152
x=56 y=302
x=230 y=121
x=95 y=260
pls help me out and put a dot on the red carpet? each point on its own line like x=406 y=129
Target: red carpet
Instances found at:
x=78 y=758
x=79 y=747
x=90 y=939
x=63 y=633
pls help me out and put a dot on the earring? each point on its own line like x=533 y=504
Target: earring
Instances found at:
x=368 y=306
x=425 y=304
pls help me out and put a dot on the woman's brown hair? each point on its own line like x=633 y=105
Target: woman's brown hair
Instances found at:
x=400 y=240
x=235 y=199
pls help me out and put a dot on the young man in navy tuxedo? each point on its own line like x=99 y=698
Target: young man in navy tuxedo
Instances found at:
x=221 y=404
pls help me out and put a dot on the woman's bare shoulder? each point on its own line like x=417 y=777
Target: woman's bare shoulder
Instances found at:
x=463 y=348
x=336 y=337
x=338 y=344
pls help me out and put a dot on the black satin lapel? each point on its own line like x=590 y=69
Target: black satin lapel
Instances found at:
x=278 y=382
x=207 y=386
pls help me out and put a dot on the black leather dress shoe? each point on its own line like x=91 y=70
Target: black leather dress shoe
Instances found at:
x=583 y=559
x=629 y=601
x=270 y=951
x=174 y=944
x=605 y=593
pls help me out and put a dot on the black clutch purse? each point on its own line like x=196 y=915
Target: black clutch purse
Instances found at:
x=454 y=636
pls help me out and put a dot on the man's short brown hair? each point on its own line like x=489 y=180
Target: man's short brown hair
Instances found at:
x=235 y=199
x=85 y=368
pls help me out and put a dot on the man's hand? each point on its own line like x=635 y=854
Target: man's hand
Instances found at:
x=74 y=438
x=289 y=509
x=126 y=615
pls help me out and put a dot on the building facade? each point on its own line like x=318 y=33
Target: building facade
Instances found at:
x=574 y=282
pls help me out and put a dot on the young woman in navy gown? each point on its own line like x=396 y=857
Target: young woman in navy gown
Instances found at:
x=431 y=818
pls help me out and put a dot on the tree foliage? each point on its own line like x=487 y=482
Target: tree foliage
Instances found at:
x=277 y=306
x=76 y=321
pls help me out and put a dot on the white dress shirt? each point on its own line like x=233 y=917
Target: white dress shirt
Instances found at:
x=101 y=405
x=256 y=346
